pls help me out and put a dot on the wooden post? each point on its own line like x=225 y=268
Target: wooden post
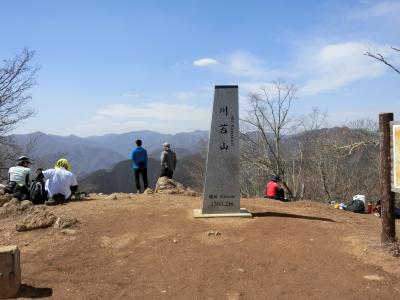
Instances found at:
x=388 y=234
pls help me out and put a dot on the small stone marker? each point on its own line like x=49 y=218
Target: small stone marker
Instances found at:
x=10 y=272
x=221 y=196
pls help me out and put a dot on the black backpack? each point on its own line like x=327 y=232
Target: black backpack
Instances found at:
x=38 y=193
x=10 y=187
x=356 y=206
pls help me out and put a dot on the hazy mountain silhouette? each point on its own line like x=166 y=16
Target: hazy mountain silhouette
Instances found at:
x=184 y=142
x=84 y=155
x=190 y=172
x=102 y=152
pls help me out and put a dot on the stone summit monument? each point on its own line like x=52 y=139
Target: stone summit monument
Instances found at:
x=221 y=196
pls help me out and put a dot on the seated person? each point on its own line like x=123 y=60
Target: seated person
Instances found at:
x=18 y=179
x=273 y=189
x=377 y=209
x=61 y=183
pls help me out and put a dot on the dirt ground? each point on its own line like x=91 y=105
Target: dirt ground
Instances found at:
x=150 y=247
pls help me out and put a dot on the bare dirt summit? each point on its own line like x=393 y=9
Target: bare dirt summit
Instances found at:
x=148 y=246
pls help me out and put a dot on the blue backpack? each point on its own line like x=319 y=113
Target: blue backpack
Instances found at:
x=139 y=158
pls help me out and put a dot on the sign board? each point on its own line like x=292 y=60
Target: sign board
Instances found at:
x=395 y=136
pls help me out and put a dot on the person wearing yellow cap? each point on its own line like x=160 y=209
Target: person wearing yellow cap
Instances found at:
x=60 y=182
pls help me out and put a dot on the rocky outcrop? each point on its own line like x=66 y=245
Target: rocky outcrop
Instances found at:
x=65 y=222
x=37 y=218
x=169 y=186
x=32 y=217
x=15 y=208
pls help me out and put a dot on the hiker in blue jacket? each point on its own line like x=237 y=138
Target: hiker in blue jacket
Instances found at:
x=139 y=165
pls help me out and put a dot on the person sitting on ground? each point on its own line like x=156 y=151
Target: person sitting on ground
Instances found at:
x=377 y=209
x=61 y=183
x=273 y=189
x=139 y=165
x=168 y=161
x=19 y=179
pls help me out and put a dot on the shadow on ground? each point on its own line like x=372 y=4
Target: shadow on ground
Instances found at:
x=285 y=215
x=28 y=291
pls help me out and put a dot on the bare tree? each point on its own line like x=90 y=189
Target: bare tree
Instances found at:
x=298 y=150
x=382 y=59
x=341 y=162
x=264 y=128
x=315 y=162
x=17 y=77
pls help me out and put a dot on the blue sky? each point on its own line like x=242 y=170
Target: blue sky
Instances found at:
x=119 y=66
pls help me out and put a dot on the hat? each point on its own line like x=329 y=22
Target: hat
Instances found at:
x=166 y=145
x=63 y=163
x=275 y=178
x=24 y=159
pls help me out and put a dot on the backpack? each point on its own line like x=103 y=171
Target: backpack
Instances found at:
x=10 y=187
x=38 y=193
x=356 y=206
x=141 y=164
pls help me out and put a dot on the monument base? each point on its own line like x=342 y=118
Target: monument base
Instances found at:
x=244 y=213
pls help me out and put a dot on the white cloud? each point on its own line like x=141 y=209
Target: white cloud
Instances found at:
x=245 y=64
x=255 y=87
x=203 y=62
x=317 y=69
x=333 y=66
x=156 y=116
x=240 y=64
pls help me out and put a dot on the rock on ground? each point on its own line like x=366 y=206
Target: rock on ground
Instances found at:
x=65 y=222
x=37 y=218
x=148 y=191
x=16 y=208
x=34 y=217
x=5 y=198
x=112 y=197
x=165 y=185
x=2 y=187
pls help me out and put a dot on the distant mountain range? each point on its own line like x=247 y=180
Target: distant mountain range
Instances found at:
x=182 y=143
x=190 y=172
x=103 y=152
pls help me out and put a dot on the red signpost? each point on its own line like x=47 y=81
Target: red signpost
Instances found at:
x=388 y=234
